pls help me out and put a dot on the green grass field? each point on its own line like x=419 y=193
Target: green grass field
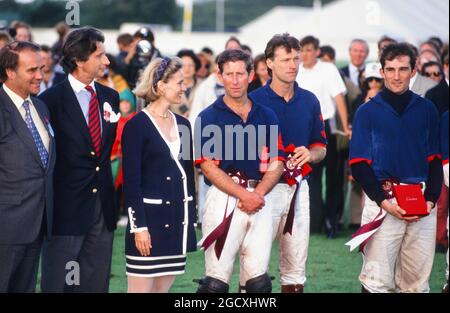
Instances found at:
x=331 y=268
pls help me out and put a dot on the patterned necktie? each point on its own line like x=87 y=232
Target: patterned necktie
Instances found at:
x=35 y=134
x=94 y=121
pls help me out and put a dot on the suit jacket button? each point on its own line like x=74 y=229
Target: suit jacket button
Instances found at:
x=184 y=223
x=168 y=202
x=183 y=178
x=92 y=153
x=94 y=190
x=167 y=226
x=168 y=178
x=97 y=169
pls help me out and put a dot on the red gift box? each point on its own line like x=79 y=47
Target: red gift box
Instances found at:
x=410 y=198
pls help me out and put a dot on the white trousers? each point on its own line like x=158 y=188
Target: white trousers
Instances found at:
x=293 y=248
x=250 y=235
x=400 y=255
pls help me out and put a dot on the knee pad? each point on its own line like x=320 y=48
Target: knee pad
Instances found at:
x=259 y=284
x=210 y=284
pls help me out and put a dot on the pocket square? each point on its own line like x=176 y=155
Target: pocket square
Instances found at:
x=109 y=115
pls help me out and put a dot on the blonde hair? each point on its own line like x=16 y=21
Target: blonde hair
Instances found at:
x=153 y=73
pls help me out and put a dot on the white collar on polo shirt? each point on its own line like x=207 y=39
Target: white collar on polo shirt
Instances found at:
x=78 y=86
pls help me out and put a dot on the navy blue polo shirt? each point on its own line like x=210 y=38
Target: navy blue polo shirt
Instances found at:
x=221 y=135
x=444 y=137
x=396 y=146
x=301 y=121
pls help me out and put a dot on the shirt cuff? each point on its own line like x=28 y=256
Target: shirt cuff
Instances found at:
x=138 y=230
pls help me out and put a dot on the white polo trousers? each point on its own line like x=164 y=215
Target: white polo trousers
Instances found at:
x=249 y=234
x=400 y=255
x=293 y=248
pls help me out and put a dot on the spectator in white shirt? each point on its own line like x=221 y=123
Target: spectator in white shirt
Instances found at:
x=323 y=79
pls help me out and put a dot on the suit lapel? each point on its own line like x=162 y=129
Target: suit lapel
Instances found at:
x=20 y=126
x=73 y=109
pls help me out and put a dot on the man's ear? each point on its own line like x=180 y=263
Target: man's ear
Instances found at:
x=11 y=74
x=317 y=52
x=269 y=63
x=251 y=75
x=219 y=77
x=79 y=64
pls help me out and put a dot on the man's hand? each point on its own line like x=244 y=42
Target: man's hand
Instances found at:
x=348 y=132
x=251 y=202
x=397 y=211
x=301 y=156
x=143 y=242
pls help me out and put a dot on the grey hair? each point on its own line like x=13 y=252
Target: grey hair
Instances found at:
x=359 y=40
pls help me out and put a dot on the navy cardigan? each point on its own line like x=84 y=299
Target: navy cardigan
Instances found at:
x=159 y=191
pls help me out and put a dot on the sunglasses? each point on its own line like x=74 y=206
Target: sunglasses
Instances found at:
x=435 y=74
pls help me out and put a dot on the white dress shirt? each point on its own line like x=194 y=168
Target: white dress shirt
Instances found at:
x=18 y=102
x=325 y=82
x=83 y=97
x=354 y=73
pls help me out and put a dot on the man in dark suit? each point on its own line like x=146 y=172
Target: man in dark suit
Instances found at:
x=439 y=94
x=358 y=52
x=51 y=77
x=78 y=257
x=27 y=159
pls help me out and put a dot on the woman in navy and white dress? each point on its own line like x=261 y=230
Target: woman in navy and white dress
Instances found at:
x=159 y=188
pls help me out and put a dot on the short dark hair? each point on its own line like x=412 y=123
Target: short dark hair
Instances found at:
x=189 y=53
x=383 y=39
x=286 y=41
x=20 y=24
x=233 y=38
x=395 y=50
x=79 y=45
x=327 y=50
x=246 y=48
x=4 y=36
x=46 y=48
x=207 y=50
x=9 y=56
x=125 y=39
x=310 y=40
x=234 y=55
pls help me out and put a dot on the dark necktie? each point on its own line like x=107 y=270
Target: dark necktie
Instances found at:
x=94 y=121
x=43 y=154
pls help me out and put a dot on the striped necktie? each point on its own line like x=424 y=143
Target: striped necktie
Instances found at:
x=94 y=121
x=43 y=154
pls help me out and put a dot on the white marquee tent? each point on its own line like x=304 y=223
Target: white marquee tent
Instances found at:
x=335 y=24
x=339 y=22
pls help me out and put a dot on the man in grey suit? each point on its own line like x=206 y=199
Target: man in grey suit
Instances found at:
x=27 y=157
x=421 y=84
